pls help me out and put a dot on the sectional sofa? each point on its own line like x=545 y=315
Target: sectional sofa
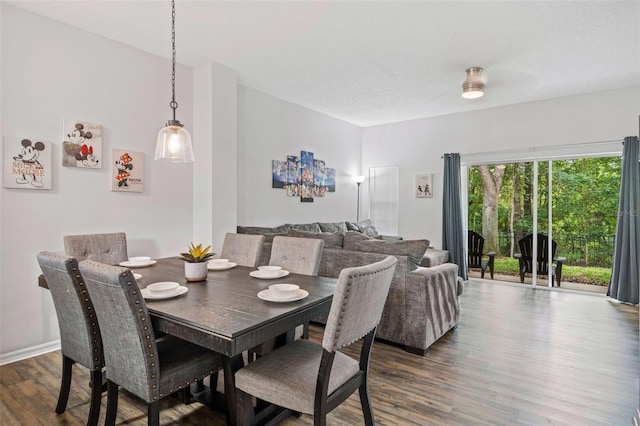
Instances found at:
x=423 y=302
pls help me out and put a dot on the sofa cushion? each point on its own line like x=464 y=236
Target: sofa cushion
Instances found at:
x=268 y=232
x=414 y=249
x=309 y=227
x=331 y=239
x=367 y=228
x=352 y=226
x=434 y=257
x=333 y=226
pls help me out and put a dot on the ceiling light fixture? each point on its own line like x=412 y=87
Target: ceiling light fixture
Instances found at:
x=174 y=141
x=473 y=86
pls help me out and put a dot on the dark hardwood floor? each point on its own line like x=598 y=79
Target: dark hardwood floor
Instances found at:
x=519 y=357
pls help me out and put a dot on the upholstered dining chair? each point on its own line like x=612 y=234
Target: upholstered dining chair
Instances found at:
x=313 y=378
x=80 y=339
x=243 y=249
x=104 y=248
x=300 y=256
x=148 y=368
x=297 y=255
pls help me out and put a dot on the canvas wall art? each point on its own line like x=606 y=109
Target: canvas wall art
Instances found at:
x=305 y=176
x=27 y=163
x=82 y=144
x=424 y=185
x=128 y=171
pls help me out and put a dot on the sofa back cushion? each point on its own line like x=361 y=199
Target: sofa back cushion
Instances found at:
x=331 y=239
x=414 y=249
x=268 y=232
x=309 y=227
x=333 y=226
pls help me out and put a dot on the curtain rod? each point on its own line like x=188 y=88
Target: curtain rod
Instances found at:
x=536 y=148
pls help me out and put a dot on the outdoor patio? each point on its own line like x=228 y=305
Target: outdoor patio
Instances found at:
x=542 y=282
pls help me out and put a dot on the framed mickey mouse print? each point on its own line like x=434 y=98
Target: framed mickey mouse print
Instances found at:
x=128 y=171
x=81 y=144
x=27 y=163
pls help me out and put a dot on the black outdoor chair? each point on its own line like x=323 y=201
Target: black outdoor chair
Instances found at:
x=476 y=255
x=525 y=258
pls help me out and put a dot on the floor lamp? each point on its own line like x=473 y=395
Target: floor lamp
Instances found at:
x=359 y=180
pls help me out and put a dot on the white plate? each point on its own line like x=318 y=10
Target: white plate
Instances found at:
x=163 y=287
x=269 y=296
x=137 y=276
x=214 y=267
x=154 y=295
x=260 y=274
x=130 y=264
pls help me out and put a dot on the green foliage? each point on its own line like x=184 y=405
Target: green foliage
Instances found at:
x=585 y=195
x=197 y=254
x=576 y=274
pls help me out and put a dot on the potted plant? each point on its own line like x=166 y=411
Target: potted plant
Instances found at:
x=195 y=266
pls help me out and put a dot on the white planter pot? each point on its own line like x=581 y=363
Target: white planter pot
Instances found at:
x=195 y=271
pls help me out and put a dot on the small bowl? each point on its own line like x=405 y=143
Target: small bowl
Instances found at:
x=162 y=287
x=219 y=261
x=139 y=259
x=270 y=270
x=283 y=289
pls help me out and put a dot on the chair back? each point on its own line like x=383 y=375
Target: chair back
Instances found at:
x=357 y=304
x=297 y=255
x=243 y=249
x=542 y=262
x=104 y=248
x=475 y=247
x=130 y=351
x=80 y=337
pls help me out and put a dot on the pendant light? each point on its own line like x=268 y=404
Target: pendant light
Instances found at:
x=174 y=141
x=473 y=86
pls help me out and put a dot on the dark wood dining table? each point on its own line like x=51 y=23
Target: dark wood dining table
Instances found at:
x=224 y=313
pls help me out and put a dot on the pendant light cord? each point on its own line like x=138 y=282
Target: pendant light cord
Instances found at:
x=173 y=104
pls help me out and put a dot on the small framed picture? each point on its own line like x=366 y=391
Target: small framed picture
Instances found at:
x=424 y=185
x=128 y=171
x=27 y=163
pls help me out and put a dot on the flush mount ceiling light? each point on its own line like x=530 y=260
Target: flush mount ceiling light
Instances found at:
x=473 y=86
x=174 y=141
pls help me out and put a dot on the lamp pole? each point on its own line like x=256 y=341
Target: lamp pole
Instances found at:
x=358 y=205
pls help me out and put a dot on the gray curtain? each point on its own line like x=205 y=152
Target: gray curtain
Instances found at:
x=453 y=235
x=625 y=278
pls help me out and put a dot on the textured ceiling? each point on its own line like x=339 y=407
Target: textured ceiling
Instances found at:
x=371 y=63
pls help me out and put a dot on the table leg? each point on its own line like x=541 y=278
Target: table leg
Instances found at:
x=230 y=366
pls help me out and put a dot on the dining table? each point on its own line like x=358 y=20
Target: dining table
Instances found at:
x=224 y=313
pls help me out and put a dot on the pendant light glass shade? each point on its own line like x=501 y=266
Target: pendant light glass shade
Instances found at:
x=174 y=144
x=473 y=86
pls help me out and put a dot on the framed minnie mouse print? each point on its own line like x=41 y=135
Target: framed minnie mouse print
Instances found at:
x=128 y=171
x=27 y=163
x=81 y=144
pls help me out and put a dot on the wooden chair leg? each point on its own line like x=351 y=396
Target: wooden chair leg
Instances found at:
x=365 y=402
x=153 y=413
x=245 y=415
x=112 y=403
x=96 y=397
x=65 y=384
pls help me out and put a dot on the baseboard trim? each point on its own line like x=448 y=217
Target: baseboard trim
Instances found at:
x=37 y=350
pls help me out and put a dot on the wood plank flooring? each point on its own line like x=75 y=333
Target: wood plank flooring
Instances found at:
x=519 y=357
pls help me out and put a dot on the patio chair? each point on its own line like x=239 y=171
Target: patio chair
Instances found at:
x=476 y=254
x=525 y=258
x=314 y=378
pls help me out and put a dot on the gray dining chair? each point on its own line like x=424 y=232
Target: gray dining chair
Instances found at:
x=104 y=248
x=300 y=256
x=313 y=378
x=80 y=340
x=243 y=249
x=297 y=255
x=148 y=368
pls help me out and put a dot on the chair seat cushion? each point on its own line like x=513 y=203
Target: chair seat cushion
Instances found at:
x=287 y=376
x=174 y=374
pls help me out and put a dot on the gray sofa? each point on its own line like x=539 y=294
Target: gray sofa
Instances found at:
x=423 y=302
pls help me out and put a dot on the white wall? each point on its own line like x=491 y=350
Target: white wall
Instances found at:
x=49 y=72
x=270 y=129
x=416 y=146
